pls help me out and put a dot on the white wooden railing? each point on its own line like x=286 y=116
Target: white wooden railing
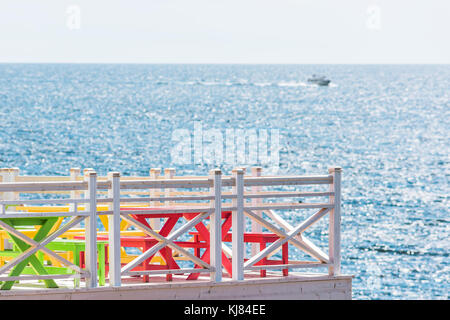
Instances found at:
x=245 y=195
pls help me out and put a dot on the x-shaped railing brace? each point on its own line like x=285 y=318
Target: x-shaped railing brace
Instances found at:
x=165 y=241
x=40 y=246
x=293 y=236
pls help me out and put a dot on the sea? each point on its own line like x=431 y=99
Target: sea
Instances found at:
x=387 y=126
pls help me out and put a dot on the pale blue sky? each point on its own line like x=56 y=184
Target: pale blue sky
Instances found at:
x=227 y=31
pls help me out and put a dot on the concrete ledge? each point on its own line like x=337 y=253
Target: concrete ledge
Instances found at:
x=292 y=287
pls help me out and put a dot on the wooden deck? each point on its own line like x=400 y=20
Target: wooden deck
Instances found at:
x=131 y=200
x=292 y=287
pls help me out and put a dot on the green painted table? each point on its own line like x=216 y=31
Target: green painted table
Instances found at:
x=46 y=224
x=78 y=246
x=37 y=263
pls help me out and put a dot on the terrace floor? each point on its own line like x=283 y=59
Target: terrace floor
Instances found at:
x=296 y=286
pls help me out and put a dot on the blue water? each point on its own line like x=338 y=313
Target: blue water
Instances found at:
x=386 y=126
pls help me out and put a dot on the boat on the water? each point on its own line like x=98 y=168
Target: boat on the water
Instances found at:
x=321 y=81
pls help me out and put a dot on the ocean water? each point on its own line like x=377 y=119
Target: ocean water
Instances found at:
x=387 y=126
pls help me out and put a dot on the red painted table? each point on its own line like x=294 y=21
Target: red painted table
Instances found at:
x=166 y=252
x=145 y=243
x=204 y=233
x=251 y=237
x=201 y=240
x=172 y=219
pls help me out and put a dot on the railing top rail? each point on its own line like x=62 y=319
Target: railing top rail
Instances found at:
x=164 y=183
x=126 y=183
x=42 y=186
x=8 y=215
x=287 y=180
x=43 y=201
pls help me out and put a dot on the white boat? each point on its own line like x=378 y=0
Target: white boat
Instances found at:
x=321 y=81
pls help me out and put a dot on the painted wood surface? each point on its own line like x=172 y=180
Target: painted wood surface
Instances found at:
x=254 y=198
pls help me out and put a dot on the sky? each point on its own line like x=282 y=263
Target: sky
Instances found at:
x=225 y=31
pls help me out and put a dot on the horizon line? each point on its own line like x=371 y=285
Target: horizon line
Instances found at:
x=230 y=63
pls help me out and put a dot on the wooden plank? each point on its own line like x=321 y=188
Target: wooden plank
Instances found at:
x=74 y=174
x=167 y=271
x=203 y=196
x=294 y=287
x=289 y=206
x=288 y=180
x=43 y=178
x=9 y=175
x=43 y=277
x=238 y=226
x=175 y=198
x=216 y=227
x=173 y=210
x=283 y=194
x=42 y=186
x=114 y=231
x=256 y=200
x=164 y=183
x=43 y=201
x=172 y=183
x=169 y=173
x=91 y=229
x=281 y=206
x=103 y=185
x=44 y=214
x=335 y=223
x=192 y=207
x=288 y=266
x=154 y=174
x=105 y=200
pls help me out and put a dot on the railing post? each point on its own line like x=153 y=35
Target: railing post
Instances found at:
x=74 y=174
x=238 y=226
x=216 y=226
x=155 y=222
x=334 y=237
x=91 y=229
x=256 y=227
x=169 y=173
x=114 y=230
x=9 y=175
